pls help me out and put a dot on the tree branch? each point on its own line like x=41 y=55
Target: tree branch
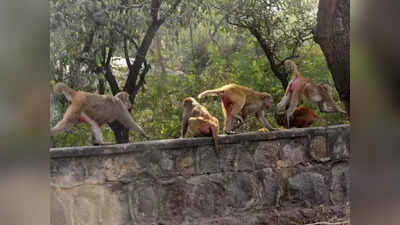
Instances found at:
x=155 y=7
x=142 y=80
x=120 y=29
x=126 y=53
x=87 y=45
x=170 y=11
x=109 y=75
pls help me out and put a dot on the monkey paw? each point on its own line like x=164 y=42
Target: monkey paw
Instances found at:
x=230 y=132
x=147 y=137
x=264 y=130
x=102 y=143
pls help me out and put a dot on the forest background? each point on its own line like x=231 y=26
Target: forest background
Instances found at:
x=161 y=51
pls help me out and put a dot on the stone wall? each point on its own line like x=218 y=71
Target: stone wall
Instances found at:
x=286 y=177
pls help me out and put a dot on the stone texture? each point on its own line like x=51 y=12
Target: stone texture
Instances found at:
x=207 y=159
x=339 y=143
x=340 y=186
x=319 y=150
x=293 y=152
x=256 y=179
x=244 y=159
x=266 y=154
x=309 y=188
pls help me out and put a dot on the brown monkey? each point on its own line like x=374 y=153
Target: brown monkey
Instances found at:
x=95 y=110
x=199 y=121
x=300 y=88
x=238 y=99
x=302 y=117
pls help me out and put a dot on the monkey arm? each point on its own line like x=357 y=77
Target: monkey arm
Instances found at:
x=128 y=122
x=284 y=102
x=260 y=117
x=241 y=122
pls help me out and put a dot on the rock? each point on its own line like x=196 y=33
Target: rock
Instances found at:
x=308 y=187
x=340 y=186
x=293 y=153
x=184 y=181
x=266 y=154
x=319 y=150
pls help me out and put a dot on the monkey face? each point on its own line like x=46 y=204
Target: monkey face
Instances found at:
x=268 y=101
x=287 y=66
x=189 y=101
x=124 y=97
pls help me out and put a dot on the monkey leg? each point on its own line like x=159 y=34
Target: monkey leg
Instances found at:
x=235 y=109
x=70 y=119
x=312 y=93
x=260 y=117
x=284 y=102
x=201 y=127
x=95 y=129
x=62 y=126
x=238 y=126
x=228 y=121
x=294 y=101
x=329 y=106
x=241 y=123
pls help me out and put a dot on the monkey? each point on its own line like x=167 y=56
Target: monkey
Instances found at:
x=238 y=99
x=302 y=117
x=199 y=121
x=95 y=110
x=300 y=88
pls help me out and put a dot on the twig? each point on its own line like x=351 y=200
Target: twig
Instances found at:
x=328 y=223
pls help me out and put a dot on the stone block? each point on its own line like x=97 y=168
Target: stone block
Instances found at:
x=266 y=154
x=340 y=185
x=293 y=152
x=339 y=143
x=318 y=149
x=308 y=187
x=208 y=160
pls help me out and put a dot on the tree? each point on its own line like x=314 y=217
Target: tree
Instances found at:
x=332 y=34
x=280 y=27
x=94 y=31
x=136 y=75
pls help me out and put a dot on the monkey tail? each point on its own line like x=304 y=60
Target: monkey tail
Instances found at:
x=211 y=93
x=68 y=92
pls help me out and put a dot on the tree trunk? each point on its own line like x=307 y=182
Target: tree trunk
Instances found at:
x=136 y=76
x=121 y=133
x=132 y=86
x=333 y=36
x=275 y=67
x=140 y=59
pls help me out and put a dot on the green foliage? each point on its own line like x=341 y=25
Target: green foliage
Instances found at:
x=199 y=51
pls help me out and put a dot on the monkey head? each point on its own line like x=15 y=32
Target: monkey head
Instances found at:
x=189 y=102
x=326 y=88
x=124 y=97
x=267 y=101
x=288 y=66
